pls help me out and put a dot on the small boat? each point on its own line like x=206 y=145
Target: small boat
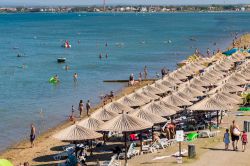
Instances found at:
x=61 y=60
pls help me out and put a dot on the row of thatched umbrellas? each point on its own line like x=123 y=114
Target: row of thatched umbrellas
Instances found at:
x=146 y=107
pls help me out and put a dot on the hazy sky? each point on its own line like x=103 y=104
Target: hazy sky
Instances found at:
x=99 y=2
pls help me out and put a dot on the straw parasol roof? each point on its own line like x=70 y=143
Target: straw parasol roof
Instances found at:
x=76 y=133
x=90 y=123
x=199 y=82
x=171 y=108
x=176 y=100
x=140 y=97
x=209 y=104
x=103 y=114
x=149 y=94
x=117 y=107
x=177 y=75
x=233 y=96
x=125 y=123
x=236 y=80
x=153 y=90
x=128 y=101
x=162 y=87
x=185 y=96
x=172 y=80
x=207 y=79
x=167 y=83
x=149 y=117
x=191 y=92
x=226 y=88
x=157 y=109
x=194 y=86
x=222 y=98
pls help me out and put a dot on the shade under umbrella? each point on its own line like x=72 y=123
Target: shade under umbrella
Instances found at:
x=157 y=109
x=117 y=107
x=149 y=117
x=91 y=123
x=103 y=114
x=176 y=100
x=128 y=101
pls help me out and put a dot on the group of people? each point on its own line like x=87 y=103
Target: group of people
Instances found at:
x=81 y=107
x=132 y=79
x=235 y=134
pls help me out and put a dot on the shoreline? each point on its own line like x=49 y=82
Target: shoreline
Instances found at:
x=65 y=123
x=44 y=139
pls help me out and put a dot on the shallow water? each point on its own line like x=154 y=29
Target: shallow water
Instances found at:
x=134 y=40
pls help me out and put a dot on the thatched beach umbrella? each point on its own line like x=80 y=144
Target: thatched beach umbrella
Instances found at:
x=117 y=107
x=128 y=101
x=91 y=123
x=126 y=123
x=199 y=82
x=210 y=104
x=170 y=108
x=157 y=109
x=172 y=80
x=194 y=86
x=140 y=97
x=224 y=99
x=76 y=133
x=162 y=87
x=153 y=90
x=226 y=88
x=149 y=94
x=236 y=80
x=191 y=92
x=187 y=97
x=167 y=83
x=147 y=116
x=103 y=114
x=176 y=100
x=177 y=75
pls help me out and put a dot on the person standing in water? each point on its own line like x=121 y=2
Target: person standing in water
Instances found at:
x=32 y=134
x=140 y=77
x=100 y=56
x=88 y=107
x=75 y=76
x=208 y=52
x=106 y=55
x=145 y=72
x=80 y=107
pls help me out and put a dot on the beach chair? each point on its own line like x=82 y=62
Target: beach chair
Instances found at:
x=131 y=152
x=111 y=162
x=148 y=148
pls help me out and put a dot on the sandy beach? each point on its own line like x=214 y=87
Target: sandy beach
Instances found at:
x=206 y=148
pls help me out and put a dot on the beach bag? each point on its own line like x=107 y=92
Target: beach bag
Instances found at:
x=236 y=132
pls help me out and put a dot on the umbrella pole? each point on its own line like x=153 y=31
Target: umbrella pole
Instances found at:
x=152 y=133
x=76 y=150
x=125 y=139
x=141 y=142
x=217 y=112
x=91 y=150
x=210 y=121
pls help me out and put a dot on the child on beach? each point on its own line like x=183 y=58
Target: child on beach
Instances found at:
x=244 y=141
x=226 y=139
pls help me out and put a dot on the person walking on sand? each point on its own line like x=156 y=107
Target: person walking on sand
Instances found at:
x=32 y=134
x=75 y=76
x=226 y=139
x=80 y=107
x=88 y=107
x=244 y=141
x=145 y=72
x=235 y=135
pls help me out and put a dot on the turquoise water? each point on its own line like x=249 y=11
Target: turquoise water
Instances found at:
x=134 y=40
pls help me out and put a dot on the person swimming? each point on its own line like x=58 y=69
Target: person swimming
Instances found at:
x=100 y=56
x=75 y=76
x=66 y=67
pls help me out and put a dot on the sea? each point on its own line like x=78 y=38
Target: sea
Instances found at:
x=130 y=40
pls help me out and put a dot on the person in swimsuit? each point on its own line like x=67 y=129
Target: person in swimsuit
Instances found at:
x=75 y=76
x=80 y=107
x=88 y=107
x=145 y=72
x=32 y=135
x=235 y=138
x=226 y=139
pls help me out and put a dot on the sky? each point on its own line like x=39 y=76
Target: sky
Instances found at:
x=110 y=2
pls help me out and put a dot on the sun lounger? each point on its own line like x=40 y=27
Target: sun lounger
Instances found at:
x=111 y=162
x=131 y=152
x=66 y=153
x=207 y=133
x=148 y=149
